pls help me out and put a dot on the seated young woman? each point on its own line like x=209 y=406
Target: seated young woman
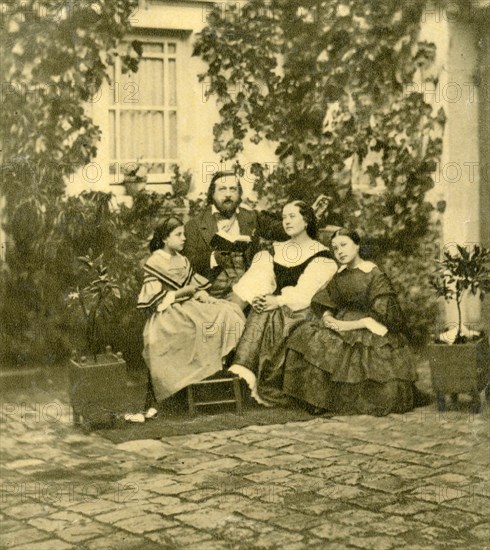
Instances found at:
x=279 y=285
x=188 y=333
x=355 y=360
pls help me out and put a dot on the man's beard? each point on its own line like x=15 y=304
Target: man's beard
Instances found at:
x=227 y=208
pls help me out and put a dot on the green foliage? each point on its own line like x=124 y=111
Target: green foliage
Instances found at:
x=410 y=277
x=90 y=251
x=331 y=84
x=96 y=300
x=460 y=273
x=54 y=59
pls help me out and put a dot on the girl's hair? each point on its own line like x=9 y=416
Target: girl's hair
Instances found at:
x=367 y=247
x=344 y=232
x=309 y=216
x=163 y=231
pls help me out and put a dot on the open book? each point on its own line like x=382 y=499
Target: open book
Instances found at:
x=224 y=243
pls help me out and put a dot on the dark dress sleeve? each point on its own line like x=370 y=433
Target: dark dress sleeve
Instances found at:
x=327 y=298
x=383 y=303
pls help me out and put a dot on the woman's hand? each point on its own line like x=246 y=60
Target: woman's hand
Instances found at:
x=204 y=297
x=188 y=290
x=267 y=302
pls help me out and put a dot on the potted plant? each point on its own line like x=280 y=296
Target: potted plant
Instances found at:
x=134 y=177
x=97 y=378
x=459 y=358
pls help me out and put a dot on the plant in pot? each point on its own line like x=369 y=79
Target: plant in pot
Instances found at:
x=135 y=176
x=460 y=358
x=97 y=378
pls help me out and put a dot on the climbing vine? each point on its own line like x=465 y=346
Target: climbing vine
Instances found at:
x=329 y=83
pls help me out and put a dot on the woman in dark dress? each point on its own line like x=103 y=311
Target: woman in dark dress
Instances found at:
x=355 y=360
x=279 y=285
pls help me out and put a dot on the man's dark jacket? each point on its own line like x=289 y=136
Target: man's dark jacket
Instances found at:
x=200 y=230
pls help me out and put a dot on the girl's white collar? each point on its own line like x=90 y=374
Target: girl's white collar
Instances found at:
x=364 y=266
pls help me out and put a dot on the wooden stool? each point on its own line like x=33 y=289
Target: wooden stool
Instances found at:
x=226 y=379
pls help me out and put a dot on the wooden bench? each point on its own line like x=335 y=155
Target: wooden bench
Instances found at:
x=222 y=378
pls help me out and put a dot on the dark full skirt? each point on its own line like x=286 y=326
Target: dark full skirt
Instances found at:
x=354 y=372
x=262 y=349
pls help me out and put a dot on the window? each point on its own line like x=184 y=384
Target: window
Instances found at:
x=143 y=112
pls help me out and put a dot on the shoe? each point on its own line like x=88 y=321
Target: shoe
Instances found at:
x=151 y=413
x=138 y=417
x=255 y=394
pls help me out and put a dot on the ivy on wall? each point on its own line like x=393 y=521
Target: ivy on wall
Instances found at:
x=330 y=83
x=54 y=58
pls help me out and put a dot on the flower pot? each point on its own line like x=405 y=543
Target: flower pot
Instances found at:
x=460 y=368
x=98 y=389
x=134 y=186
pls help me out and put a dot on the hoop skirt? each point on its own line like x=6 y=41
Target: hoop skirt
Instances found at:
x=184 y=340
x=352 y=372
x=262 y=347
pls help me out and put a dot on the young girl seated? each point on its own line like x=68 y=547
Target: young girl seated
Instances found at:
x=188 y=333
x=355 y=360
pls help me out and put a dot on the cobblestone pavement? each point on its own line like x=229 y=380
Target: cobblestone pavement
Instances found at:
x=415 y=481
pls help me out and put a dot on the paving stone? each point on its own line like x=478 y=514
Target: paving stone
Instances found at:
x=176 y=508
x=22 y=537
x=409 y=508
x=444 y=517
x=206 y=519
x=79 y=533
x=312 y=503
x=393 y=526
x=386 y=483
x=296 y=522
x=273 y=443
x=481 y=532
x=124 y=512
x=357 y=517
x=169 y=487
x=56 y=522
x=179 y=537
x=323 y=453
x=341 y=492
x=437 y=493
x=268 y=475
x=120 y=540
x=335 y=531
x=95 y=507
x=411 y=471
x=23 y=464
x=28 y=510
x=282 y=461
x=144 y=523
x=253 y=437
x=51 y=544
x=480 y=505
x=277 y=539
x=372 y=543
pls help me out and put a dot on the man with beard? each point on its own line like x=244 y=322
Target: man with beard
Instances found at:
x=222 y=240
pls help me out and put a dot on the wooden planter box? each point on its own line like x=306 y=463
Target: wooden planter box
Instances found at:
x=98 y=390
x=460 y=368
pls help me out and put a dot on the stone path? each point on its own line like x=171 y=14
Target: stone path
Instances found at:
x=415 y=481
